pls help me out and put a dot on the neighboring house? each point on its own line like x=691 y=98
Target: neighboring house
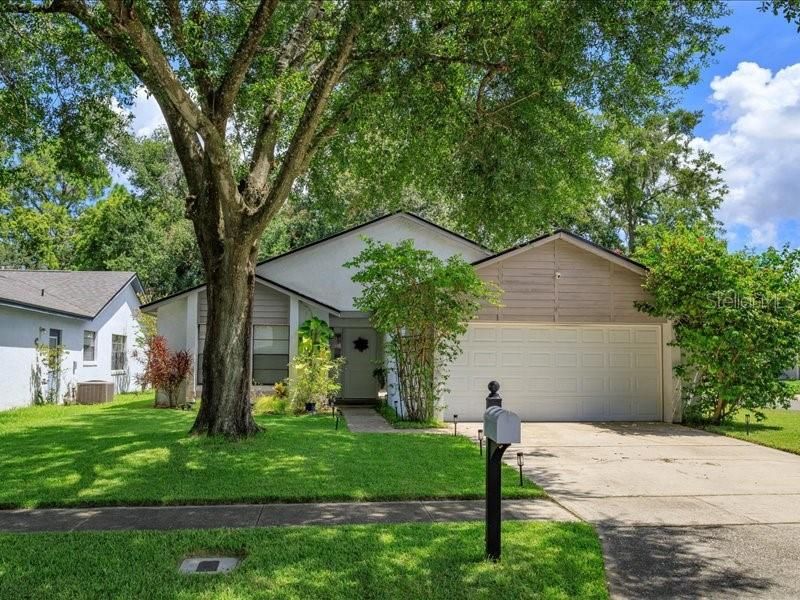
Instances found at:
x=567 y=344
x=90 y=314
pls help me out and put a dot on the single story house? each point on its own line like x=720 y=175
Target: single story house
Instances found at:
x=567 y=344
x=91 y=315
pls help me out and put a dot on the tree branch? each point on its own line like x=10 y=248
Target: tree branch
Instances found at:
x=241 y=60
x=293 y=49
x=197 y=62
x=300 y=144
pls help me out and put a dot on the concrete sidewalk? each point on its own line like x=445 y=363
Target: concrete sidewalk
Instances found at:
x=267 y=515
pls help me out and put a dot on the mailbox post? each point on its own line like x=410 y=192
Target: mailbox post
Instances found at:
x=501 y=428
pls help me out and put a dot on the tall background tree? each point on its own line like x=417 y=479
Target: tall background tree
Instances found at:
x=489 y=104
x=654 y=176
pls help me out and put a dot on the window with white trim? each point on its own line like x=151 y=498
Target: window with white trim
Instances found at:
x=89 y=341
x=119 y=356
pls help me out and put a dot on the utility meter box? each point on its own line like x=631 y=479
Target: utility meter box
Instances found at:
x=501 y=425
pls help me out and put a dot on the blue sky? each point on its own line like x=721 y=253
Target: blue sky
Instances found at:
x=750 y=97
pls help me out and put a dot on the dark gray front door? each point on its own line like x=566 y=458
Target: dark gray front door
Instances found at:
x=360 y=350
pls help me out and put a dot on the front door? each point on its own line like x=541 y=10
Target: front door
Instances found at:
x=360 y=350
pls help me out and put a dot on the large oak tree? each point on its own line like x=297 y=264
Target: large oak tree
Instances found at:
x=488 y=104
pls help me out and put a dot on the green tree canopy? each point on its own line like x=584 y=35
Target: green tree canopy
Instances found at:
x=654 y=176
x=736 y=318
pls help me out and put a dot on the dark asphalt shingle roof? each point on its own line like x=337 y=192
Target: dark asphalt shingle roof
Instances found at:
x=75 y=293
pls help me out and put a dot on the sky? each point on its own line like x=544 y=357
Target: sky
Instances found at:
x=750 y=98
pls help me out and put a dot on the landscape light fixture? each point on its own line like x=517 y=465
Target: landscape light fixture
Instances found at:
x=480 y=440
x=338 y=415
x=455 y=424
x=747 y=423
x=520 y=464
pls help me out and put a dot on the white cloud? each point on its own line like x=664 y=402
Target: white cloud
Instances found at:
x=147 y=115
x=759 y=147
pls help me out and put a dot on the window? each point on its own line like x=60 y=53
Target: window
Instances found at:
x=119 y=358
x=270 y=354
x=201 y=342
x=89 y=338
x=55 y=338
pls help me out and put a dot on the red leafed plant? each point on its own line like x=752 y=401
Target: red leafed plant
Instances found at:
x=165 y=370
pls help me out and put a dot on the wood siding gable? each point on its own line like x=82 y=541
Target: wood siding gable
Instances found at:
x=559 y=282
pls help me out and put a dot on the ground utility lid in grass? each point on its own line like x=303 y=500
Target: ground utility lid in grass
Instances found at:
x=209 y=564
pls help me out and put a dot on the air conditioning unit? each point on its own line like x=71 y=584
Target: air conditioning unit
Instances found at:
x=95 y=392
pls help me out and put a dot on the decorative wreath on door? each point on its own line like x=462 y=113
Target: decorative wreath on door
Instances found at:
x=360 y=344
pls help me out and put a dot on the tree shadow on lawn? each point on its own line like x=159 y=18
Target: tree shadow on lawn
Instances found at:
x=543 y=560
x=133 y=454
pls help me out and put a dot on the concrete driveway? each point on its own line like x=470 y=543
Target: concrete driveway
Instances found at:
x=681 y=513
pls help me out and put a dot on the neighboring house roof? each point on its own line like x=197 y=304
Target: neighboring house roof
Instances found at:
x=575 y=240
x=151 y=306
x=411 y=215
x=80 y=294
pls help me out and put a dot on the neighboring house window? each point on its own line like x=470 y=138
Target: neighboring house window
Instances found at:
x=55 y=338
x=201 y=342
x=89 y=338
x=270 y=354
x=119 y=358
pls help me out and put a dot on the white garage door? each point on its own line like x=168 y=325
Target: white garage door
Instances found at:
x=559 y=372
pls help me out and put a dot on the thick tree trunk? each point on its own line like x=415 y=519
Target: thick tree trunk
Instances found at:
x=225 y=407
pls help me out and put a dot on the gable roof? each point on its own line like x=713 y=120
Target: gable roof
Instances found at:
x=404 y=213
x=151 y=306
x=80 y=294
x=575 y=240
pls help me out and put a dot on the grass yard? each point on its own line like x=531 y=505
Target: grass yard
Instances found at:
x=540 y=560
x=388 y=413
x=127 y=452
x=780 y=430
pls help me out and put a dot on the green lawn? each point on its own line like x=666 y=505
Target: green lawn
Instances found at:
x=540 y=560
x=388 y=413
x=780 y=430
x=127 y=452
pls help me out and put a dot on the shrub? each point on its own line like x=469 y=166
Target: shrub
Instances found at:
x=271 y=405
x=736 y=319
x=423 y=305
x=165 y=370
x=315 y=373
x=281 y=389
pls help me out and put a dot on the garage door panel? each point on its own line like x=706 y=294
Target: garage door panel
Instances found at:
x=620 y=360
x=593 y=385
x=484 y=334
x=566 y=359
x=593 y=336
x=512 y=359
x=540 y=359
x=538 y=385
x=619 y=336
x=645 y=336
x=565 y=335
x=484 y=359
x=592 y=360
